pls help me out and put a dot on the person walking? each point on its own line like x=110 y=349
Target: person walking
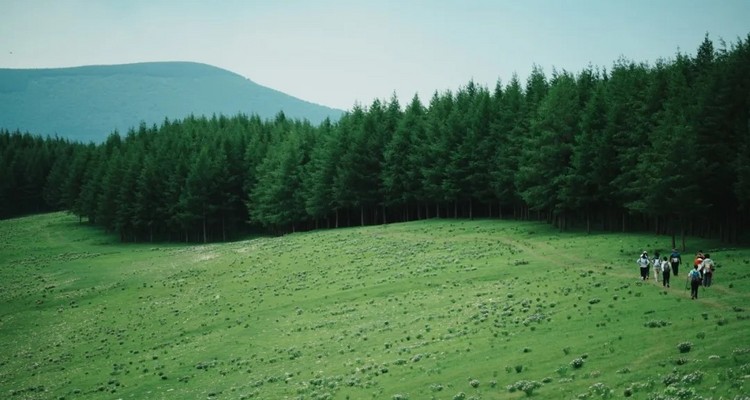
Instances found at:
x=657 y=267
x=707 y=269
x=644 y=263
x=665 y=272
x=695 y=282
x=675 y=259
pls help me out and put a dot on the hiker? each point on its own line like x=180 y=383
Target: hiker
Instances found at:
x=657 y=267
x=695 y=281
x=707 y=269
x=665 y=272
x=675 y=260
x=644 y=263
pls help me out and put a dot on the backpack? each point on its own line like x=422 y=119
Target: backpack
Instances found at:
x=695 y=276
x=665 y=266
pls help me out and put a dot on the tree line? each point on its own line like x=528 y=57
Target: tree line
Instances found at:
x=663 y=147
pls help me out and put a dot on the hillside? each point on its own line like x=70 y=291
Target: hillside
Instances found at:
x=435 y=309
x=88 y=103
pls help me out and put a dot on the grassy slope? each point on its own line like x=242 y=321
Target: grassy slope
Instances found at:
x=414 y=310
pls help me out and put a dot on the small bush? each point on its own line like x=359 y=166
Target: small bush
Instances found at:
x=527 y=387
x=474 y=383
x=655 y=324
x=577 y=363
x=684 y=347
x=671 y=378
x=693 y=378
x=519 y=368
x=601 y=390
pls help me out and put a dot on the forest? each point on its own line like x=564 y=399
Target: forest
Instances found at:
x=663 y=148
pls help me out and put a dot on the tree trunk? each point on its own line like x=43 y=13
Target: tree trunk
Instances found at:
x=361 y=215
x=682 y=235
x=204 y=229
x=337 y=218
x=223 y=228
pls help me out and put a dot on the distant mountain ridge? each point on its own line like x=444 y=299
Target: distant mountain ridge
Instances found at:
x=88 y=103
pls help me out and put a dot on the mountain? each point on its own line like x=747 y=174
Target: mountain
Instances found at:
x=88 y=103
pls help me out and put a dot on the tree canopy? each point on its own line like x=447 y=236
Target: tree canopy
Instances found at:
x=663 y=147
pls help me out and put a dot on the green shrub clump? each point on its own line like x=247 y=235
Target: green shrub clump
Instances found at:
x=684 y=347
x=527 y=387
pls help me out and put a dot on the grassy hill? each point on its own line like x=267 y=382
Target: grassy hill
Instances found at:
x=88 y=103
x=437 y=309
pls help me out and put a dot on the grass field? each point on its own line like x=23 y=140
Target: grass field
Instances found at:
x=438 y=309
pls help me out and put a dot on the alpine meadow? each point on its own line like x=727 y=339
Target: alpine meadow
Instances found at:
x=433 y=309
x=480 y=245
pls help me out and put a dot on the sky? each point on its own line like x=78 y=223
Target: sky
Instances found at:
x=339 y=53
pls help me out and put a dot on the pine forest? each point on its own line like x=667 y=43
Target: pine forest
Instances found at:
x=633 y=147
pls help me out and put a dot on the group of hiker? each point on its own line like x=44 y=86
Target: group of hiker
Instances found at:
x=664 y=267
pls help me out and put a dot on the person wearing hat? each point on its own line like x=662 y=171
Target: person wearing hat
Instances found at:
x=675 y=260
x=644 y=263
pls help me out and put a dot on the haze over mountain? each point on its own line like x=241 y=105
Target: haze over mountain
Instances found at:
x=88 y=103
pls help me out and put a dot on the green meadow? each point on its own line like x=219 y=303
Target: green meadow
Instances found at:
x=435 y=309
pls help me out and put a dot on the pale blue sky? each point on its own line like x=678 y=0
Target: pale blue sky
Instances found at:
x=338 y=52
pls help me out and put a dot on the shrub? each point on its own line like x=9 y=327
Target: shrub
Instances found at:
x=474 y=383
x=684 y=347
x=601 y=390
x=693 y=378
x=577 y=363
x=671 y=378
x=527 y=387
x=655 y=324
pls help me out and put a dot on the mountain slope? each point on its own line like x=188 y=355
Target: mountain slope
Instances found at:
x=88 y=103
x=432 y=309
